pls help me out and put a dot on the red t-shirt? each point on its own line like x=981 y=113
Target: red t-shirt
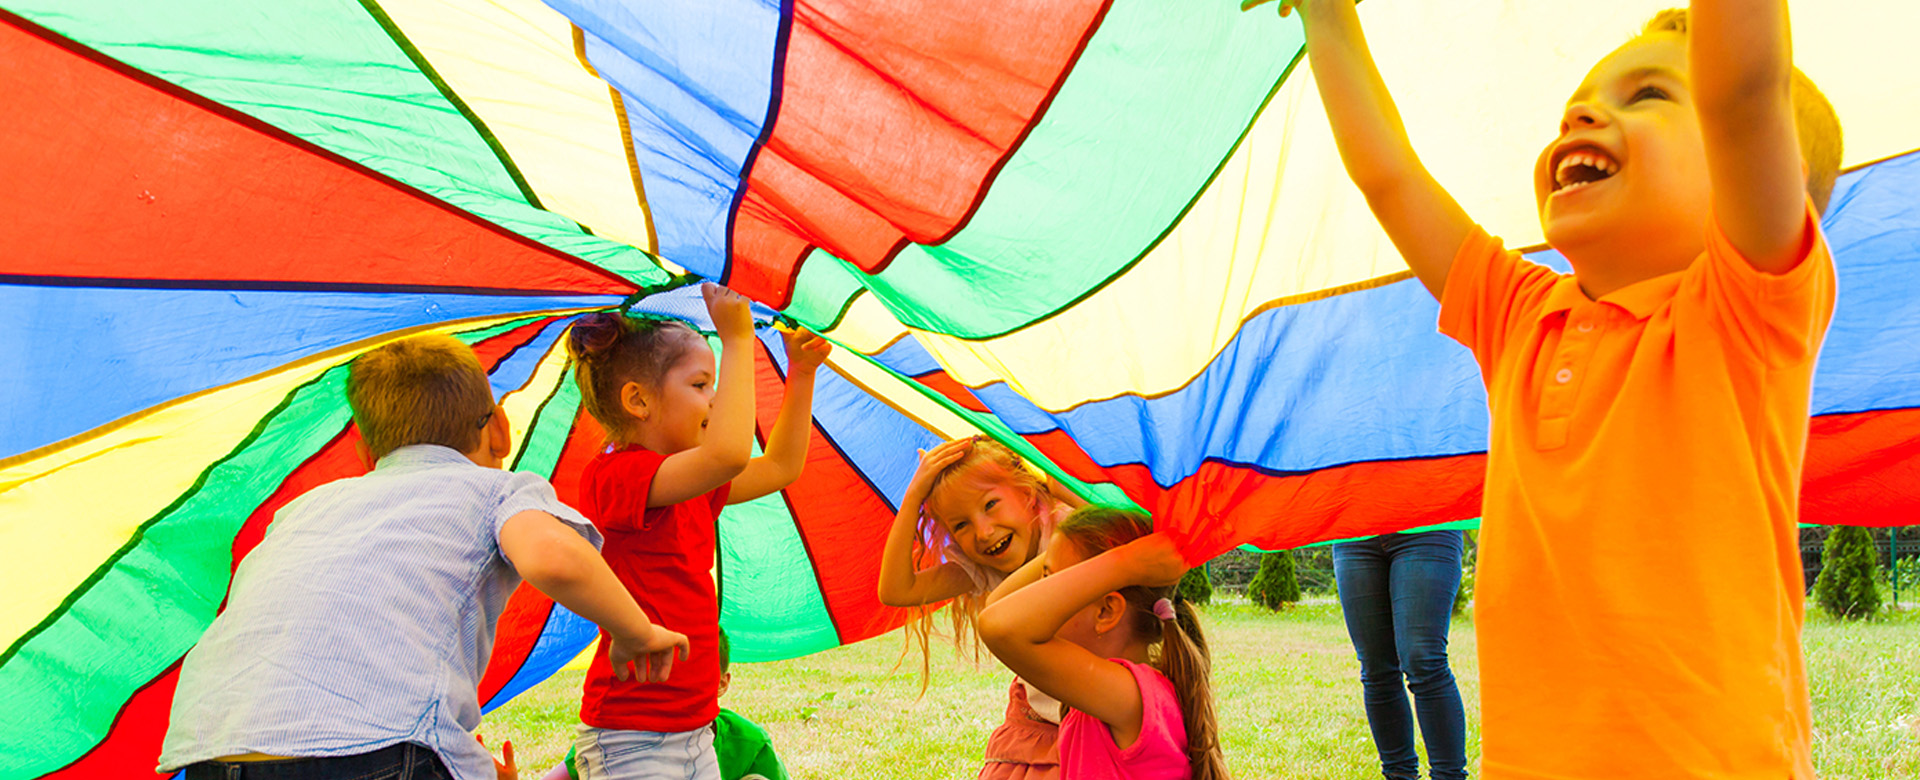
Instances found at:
x=664 y=556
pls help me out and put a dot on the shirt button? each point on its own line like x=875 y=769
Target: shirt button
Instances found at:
x=1585 y=327
x=1563 y=376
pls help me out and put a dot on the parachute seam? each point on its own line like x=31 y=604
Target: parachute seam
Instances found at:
x=264 y=128
x=793 y=514
x=774 y=96
x=626 y=141
x=1171 y=225
x=133 y=542
x=420 y=61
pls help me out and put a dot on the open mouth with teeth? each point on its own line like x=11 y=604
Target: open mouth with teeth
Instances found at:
x=994 y=550
x=1582 y=167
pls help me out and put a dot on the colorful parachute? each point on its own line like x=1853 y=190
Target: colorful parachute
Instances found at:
x=1112 y=234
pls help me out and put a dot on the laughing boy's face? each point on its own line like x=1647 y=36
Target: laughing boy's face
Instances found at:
x=1629 y=158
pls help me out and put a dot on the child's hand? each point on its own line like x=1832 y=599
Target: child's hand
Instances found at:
x=806 y=350
x=731 y=312
x=1155 y=560
x=503 y=768
x=936 y=460
x=656 y=655
x=1286 y=6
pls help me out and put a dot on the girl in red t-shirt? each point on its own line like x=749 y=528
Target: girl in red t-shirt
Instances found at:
x=680 y=439
x=973 y=514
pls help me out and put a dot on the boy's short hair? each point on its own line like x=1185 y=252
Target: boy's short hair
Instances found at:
x=1813 y=117
x=419 y=390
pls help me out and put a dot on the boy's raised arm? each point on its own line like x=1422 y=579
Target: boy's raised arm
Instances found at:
x=1424 y=222
x=1740 y=60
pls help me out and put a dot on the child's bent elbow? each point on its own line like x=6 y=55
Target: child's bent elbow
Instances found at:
x=994 y=628
x=894 y=598
x=547 y=571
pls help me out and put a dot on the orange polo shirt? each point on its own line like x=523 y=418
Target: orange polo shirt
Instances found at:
x=1640 y=595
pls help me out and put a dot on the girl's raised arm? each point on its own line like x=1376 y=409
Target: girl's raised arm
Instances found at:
x=728 y=444
x=1022 y=629
x=902 y=585
x=786 y=452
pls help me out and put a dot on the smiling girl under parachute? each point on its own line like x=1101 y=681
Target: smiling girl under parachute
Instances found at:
x=973 y=514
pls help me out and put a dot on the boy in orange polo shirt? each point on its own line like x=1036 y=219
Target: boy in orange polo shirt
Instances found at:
x=1640 y=594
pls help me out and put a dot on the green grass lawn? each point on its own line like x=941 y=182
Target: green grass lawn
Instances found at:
x=1289 y=702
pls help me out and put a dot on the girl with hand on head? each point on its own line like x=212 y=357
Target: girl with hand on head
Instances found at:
x=974 y=514
x=1100 y=631
x=680 y=436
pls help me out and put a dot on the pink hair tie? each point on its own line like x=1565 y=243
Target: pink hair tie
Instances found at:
x=1163 y=609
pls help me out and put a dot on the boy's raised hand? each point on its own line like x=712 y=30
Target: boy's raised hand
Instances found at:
x=731 y=312
x=655 y=657
x=806 y=350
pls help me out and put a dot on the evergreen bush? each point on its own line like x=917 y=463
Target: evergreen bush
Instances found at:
x=1196 y=587
x=1849 y=571
x=1464 y=595
x=1275 y=584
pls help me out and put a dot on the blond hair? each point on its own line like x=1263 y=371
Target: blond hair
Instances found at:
x=1816 y=123
x=420 y=390
x=987 y=463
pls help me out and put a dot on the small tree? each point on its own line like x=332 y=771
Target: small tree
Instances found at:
x=1464 y=595
x=1196 y=587
x=1849 y=568
x=1275 y=585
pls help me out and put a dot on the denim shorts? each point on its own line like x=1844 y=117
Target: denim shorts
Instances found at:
x=611 y=754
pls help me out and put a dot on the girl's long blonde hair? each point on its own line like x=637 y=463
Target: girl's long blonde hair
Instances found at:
x=988 y=462
x=1179 y=646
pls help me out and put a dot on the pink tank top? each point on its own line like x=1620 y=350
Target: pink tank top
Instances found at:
x=1087 y=750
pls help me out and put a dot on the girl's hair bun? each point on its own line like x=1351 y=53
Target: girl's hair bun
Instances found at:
x=595 y=334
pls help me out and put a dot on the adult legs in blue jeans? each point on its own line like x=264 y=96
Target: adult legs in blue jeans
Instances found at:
x=1396 y=592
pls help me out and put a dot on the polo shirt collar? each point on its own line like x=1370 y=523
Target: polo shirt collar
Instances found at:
x=1640 y=299
x=416 y=455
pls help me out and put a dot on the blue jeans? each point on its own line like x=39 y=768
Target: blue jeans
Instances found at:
x=404 y=761
x=1396 y=592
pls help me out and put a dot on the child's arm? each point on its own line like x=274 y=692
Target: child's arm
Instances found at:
x=901 y=585
x=786 y=451
x=561 y=564
x=1064 y=494
x=1741 y=65
x=723 y=453
x=1020 y=630
x=1028 y=574
x=1425 y=223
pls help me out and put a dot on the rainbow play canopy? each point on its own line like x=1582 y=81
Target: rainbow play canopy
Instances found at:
x=1112 y=234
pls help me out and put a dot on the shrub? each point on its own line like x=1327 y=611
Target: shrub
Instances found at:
x=1196 y=587
x=1464 y=595
x=1275 y=585
x=1849 y=568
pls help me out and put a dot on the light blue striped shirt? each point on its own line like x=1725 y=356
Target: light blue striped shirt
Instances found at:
x=364 y=619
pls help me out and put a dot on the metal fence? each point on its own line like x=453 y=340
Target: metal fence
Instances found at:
x=1898 y=547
